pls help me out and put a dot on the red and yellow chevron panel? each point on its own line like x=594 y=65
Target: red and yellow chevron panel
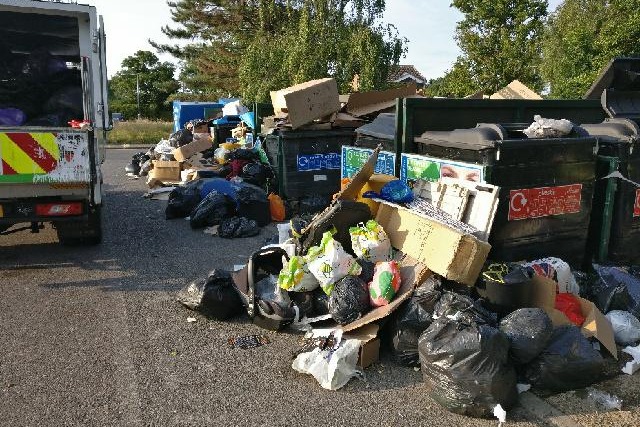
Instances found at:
x=25 y=153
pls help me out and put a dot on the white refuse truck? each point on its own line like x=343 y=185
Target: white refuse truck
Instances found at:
x=53 y=118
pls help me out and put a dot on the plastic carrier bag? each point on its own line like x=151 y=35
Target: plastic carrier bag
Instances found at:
x=370 y=242
x=296 y=277
x=385 y=284
x=329 y=262
x=626 y=327
x=333 y=367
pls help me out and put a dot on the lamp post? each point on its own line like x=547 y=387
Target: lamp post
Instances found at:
x=138 y=94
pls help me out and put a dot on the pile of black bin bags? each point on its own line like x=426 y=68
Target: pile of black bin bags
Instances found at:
x=238 y=208
x=38 y=89
x=471 y=360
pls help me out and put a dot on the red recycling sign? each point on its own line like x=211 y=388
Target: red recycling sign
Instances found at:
x=636 y=206
x=545 y=201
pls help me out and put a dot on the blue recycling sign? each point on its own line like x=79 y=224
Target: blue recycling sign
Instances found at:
x=317 y=162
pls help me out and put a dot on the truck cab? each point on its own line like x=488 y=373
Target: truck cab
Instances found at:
x=53 y=118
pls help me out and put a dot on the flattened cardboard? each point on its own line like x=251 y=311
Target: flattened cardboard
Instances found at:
x=365 y=103
x=197 y=146
x=307 y=101
x=343 y=120
x=444 y=250
x=360 y=179
x=595 y=325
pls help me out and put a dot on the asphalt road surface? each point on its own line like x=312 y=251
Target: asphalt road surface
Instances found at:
x=94 y=337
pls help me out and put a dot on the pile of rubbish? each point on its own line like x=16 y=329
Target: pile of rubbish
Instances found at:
x=225 y=188
x=479 y=330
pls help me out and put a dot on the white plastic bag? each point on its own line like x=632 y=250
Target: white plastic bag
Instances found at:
x=234 y=109
x=560 y=272
x=163 y=147
x=329 y=262
x=332 y=368
x=370 y=242
x=548 y=128
x=626 y=327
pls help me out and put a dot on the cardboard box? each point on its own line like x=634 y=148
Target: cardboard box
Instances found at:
x=444 y=250
x=595 y=325
x=197 y=146
x=370 y=344
x=165 y=170
x=515 y=90
x=308 y=101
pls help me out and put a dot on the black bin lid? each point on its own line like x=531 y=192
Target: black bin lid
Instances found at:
x=383 y=127
x=618 y=87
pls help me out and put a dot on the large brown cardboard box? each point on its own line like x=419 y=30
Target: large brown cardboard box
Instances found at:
x=197 y=146
x=307 y=101
x=444 y=250
x=165 y=170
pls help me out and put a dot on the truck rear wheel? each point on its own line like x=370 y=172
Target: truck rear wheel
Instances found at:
x=75 y=233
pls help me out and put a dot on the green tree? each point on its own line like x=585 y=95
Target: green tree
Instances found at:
x=155 y=81
x=251 y=47
x=500 y=42
x=581 y=37
x=322 y=38
x=457 y=82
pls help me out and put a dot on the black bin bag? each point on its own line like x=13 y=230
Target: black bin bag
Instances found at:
x=569 y=362
x=182 y=200
x=529 y=331
x=466 y=366
x=253 y=203
x=214 y=296
x=411 y=319
x=212 y=210
x=238 y=226
x=349 y=300
x=615 y=289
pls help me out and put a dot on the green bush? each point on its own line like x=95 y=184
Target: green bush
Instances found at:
x=146 y=132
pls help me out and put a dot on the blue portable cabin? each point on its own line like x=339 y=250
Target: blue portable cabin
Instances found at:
x=184 y=112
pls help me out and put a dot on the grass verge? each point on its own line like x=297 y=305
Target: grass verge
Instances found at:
x=146 y=132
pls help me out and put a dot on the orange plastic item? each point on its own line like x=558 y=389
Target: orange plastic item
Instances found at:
x=276 y=207
x=570 y=306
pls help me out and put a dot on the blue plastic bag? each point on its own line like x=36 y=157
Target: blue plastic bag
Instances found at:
x=394 y=191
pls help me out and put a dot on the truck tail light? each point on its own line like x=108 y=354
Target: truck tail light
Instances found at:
x=59 y=209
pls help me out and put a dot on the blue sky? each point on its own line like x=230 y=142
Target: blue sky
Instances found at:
x=428 y=24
